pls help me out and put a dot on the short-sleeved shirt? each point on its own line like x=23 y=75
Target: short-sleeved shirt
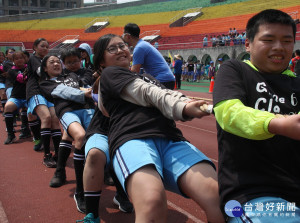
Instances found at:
x=62 y=105
x=152 y=61
x=32 y=87
x=254 y=168
x=130 y=121
x=19 y=89
x=178 y=67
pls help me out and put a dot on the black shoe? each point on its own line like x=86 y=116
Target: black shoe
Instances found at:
x=108 y=179
x=11 y=138
x=49 y=161
x=80 y=203
x=25 y=133
x=124 y=204
x=37 y=145
x=58 y=179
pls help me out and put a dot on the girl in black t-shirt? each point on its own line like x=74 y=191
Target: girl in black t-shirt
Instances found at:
x=75 y=109
x=145 y=145
x=48 y=124
x=18 y=75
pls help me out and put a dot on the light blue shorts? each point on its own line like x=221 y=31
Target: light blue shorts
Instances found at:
x=35 y=101
x=100 y=142
x=2 y=86
x=171 y=159
x=82 y=116
x=268 y=210
x=20 y=103
x=8 y=92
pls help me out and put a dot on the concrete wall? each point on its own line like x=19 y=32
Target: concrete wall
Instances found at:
x=233 y=52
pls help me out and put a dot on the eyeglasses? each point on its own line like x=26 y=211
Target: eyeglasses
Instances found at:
x=124 y=34
x=115 y=48
x=72 y=63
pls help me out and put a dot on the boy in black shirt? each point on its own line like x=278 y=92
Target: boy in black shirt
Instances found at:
x=256 y=104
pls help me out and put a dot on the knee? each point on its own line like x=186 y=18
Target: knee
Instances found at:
x=96 y=157
x=46 y=120
x=79 y=138
x=153 y=202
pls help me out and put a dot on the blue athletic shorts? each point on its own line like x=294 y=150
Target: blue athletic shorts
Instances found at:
x=268 y=210
x=20 y=103
x=82 y=116
x=8 y=92
x=35 y=101
x=2 y=85
x=171 y=159
x=100 y=142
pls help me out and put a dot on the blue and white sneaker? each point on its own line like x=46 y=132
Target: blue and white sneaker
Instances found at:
x=89 y=218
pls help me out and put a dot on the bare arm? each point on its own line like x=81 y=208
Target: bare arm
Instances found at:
x=288 y=126
x=136 y=68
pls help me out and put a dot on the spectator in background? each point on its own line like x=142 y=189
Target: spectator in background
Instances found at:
x=211 y=70
x=178 y=70
x=220 y=61
x=205 y=41
x=294 y=61
x=156 y=45
x=213 y=41
x=86 y=56
x=146 y=56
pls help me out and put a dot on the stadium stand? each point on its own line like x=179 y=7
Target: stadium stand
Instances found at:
x=216 y=19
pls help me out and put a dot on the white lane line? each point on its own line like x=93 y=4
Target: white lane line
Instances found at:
x=190 y=216
x=204 y=130
x=3 y=217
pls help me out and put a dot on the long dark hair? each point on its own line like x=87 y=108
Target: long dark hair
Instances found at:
x=37 y=42
x=44 y=74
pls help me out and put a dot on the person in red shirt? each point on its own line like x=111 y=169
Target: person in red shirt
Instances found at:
x=294 y=60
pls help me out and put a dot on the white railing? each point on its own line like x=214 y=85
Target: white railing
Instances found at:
x=13 y=44
x=67 y=37
x=150 y=33
x=294 y=15
x=182 y=14
x=104 y=19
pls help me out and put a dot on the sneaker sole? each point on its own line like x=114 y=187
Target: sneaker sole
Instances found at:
x=116 y=202
x=12 y=141
x=77 y=205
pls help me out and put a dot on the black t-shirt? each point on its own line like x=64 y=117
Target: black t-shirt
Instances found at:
x=85 y=76
x=61 y=105
x=130 y=121
x=19 y=89
x=190 y=67
x=253 y=168
x=99 y=124
x=32 y=87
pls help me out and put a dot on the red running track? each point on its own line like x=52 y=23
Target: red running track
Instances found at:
x=25 y=195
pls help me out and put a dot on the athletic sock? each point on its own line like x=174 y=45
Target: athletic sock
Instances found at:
x=24 y=120
x=56 y=138
x=9 y=120
x=35 y=127
x=92 y=199
x=78 y=166
x=45 y=139
x=64 y=151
